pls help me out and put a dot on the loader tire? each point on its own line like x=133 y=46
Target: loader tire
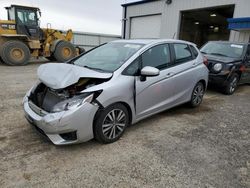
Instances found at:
x=15 y=53
x=64 y=51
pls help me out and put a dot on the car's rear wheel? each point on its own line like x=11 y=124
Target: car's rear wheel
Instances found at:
x=232 y=84
x=111 y=123
x=197 y=95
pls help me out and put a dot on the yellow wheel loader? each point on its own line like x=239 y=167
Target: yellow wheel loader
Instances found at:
x=21 y=38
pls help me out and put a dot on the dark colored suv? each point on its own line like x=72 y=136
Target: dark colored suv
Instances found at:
x=228 y=64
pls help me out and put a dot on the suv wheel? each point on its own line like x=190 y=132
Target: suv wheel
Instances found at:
x=232 y=84
x=111 y=123
x=197 y=95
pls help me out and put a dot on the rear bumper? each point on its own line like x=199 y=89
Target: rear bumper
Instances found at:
x=55 y=125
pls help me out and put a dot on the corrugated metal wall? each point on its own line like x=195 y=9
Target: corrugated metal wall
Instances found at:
x=171 y=14
x=91 y=40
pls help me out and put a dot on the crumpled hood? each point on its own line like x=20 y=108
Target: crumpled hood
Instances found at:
x=61 y=75
x=222 y=59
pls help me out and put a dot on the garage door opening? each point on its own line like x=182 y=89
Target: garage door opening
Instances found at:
x=200 y=26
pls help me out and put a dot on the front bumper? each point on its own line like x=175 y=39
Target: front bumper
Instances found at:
x=53 y=125
x=220 y=79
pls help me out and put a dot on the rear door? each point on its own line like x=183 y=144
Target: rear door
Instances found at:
x=184 y=69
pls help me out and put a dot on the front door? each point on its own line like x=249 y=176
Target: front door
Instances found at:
x=155 y=93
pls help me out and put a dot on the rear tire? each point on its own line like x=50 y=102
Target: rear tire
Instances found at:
x=197 y=95
x=232 y=84
x=111 y=123
x=15 y=53
x=64 y=51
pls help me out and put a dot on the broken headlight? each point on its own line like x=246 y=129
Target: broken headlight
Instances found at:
x=74 y=102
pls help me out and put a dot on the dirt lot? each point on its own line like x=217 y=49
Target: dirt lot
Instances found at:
x=205 y=147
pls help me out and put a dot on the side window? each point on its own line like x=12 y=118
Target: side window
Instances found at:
x=158 y=57
x=26 y=17
x=194 y=51
x=182 y=53
x=132 y=69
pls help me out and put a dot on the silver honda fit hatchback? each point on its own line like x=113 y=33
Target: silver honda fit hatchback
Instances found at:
x=98 y=94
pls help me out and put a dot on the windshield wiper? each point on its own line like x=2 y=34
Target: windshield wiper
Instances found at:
x=203 y=52
x=93 y=68
x=219 y=54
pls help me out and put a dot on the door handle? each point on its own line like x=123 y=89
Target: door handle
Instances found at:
x=170 y=74
x=194 y=64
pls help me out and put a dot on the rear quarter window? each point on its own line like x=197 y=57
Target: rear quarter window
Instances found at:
x=182 y=53
x=194 y=51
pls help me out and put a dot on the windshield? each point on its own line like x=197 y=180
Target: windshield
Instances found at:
x=109 y=57
x=223 y=49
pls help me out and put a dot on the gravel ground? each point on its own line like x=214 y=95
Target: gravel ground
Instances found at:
x=204 y=147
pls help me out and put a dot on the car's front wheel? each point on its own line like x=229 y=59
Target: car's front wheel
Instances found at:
x=232 y=84
x=111 y=123
x=197 y=95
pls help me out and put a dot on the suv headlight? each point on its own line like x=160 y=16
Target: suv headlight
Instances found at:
x=217 y=67
x=74 y=102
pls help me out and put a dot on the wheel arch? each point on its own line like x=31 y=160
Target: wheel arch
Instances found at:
x=118 y=102
x=203 y=82
x=20 y=38
x=54 y=44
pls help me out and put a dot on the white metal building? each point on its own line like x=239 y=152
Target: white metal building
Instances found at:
x=91 y=40
x=194 y=20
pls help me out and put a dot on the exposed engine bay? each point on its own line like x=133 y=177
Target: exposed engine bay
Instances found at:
x=46 y=98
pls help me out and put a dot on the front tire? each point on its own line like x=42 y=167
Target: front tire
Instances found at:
x=197 y=95
x=111 y=123
x=15 y=53
x=64 y=51
x=232 y=84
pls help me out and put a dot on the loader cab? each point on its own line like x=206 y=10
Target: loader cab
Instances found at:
x=27 y=20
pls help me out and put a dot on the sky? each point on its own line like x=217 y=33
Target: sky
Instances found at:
x=96 y=16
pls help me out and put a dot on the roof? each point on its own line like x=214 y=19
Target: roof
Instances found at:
x=148 y=41
x=137 y=2
x=21 y=6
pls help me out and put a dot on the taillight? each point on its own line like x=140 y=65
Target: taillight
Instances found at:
x=205 y=61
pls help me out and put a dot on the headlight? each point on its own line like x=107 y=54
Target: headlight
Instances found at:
x=73 y=102
x=217 y=67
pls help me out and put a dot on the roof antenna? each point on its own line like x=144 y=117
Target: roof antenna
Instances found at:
x=174 y=35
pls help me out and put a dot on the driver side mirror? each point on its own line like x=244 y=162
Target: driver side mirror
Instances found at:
x=149 y=72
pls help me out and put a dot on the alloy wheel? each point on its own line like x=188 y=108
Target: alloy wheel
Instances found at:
x=114 y=123
x=198 y=94
x=233 y=85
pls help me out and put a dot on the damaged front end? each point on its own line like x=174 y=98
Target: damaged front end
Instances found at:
x=65 y=115
x=57 y=100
